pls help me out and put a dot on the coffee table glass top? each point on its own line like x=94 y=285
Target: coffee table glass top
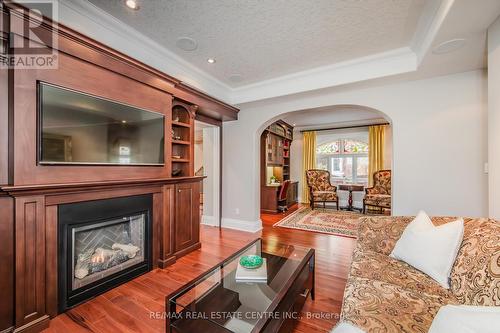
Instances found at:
x=219 y=302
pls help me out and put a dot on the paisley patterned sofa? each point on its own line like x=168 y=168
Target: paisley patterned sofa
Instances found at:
x=385 y=295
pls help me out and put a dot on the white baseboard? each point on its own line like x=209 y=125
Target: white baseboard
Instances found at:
x=209 y=220
x=249 y=226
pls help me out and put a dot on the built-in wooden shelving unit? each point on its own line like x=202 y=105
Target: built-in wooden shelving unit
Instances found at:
x=275 y=162
x=182 y=157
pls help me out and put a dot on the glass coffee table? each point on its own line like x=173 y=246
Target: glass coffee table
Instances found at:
x=217 y=302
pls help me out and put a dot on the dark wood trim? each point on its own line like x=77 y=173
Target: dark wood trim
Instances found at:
x=208 y=120
x=84 y=48
x=343 y=127
x=99 y=194
x=6 y=262
x=167 y=227
x=187 y=250
x=63 y=188
x=4 y=104
x=30 y=253
x=35 y=326
x=51 y=259
x=4 y=125
x=221 y=172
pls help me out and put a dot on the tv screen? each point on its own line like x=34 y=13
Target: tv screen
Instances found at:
x=78 y=128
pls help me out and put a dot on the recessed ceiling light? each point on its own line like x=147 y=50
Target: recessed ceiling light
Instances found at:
x=211 y=60
x=132 y=4
x=449 y=46
x=236 y=78
x=186 y=44
x=124 y=121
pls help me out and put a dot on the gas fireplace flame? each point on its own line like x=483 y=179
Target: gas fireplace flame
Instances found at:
x=98 y=258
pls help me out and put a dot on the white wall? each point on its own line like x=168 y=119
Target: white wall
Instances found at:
x=211 y=191
x=198 y=154
x=439 y=144
x=494 y=118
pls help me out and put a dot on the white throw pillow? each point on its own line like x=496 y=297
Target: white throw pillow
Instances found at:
x=429 y=248
x=466 y=319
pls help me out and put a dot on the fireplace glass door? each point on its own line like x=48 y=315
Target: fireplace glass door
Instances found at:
x=104 y=248
x=102 y=244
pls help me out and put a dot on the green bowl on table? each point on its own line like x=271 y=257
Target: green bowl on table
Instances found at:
x=251 y=261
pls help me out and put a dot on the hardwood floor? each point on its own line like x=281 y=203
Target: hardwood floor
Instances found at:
x=132 y=306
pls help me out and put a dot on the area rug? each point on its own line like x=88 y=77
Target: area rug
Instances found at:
x=339 y=223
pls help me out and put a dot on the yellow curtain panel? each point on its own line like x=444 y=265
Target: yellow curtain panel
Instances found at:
x=376 y=144
x=308 y=161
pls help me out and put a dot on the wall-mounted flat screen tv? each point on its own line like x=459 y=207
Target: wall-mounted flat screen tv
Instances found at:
x=78 y=128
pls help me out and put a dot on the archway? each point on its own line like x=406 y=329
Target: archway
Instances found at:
x=351 y=119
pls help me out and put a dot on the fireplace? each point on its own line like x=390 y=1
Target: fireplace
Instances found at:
x=102 y=244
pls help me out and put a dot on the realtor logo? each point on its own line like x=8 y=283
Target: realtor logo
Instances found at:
x=31 y=44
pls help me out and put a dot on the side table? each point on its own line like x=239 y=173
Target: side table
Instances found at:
x=351 y=188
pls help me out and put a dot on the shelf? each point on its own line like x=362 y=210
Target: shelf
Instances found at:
x=181 y=142
x=181 y=124
x=180 y=160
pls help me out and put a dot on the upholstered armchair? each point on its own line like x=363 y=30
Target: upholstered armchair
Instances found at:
x=320 y=188
x=379 y=195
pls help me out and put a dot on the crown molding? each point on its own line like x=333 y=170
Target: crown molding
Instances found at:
x=88 y=19
x=393 y=62
x=85 y=17
x=428 y=27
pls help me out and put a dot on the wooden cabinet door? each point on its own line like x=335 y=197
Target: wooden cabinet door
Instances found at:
x=164 y=204
x=187 y=215
x=270 y=149
x=281 y=152
x=274 y=149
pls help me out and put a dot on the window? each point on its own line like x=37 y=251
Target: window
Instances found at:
x=346 y=159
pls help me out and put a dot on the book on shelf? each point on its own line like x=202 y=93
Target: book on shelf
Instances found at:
x=258 y=275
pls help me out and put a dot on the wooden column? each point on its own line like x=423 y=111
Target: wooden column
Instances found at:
x=166 y=230
x=30 y=263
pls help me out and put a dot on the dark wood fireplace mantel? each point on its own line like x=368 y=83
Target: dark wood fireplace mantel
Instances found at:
x=52 y=189
x=30 y=193
x=175 y=232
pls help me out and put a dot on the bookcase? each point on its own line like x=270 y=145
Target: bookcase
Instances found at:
x=276 y=141
x=182 y=138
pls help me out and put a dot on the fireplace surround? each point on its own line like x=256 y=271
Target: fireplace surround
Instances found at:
x=101 y=244
x=31 y=193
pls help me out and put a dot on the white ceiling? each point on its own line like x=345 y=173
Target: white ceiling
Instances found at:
x=263 y=39
x=283 y=47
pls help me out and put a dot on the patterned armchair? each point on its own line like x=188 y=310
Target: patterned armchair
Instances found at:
x=320 y=188
x=379 y=195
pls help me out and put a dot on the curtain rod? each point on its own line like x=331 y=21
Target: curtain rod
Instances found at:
x=345 y=127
